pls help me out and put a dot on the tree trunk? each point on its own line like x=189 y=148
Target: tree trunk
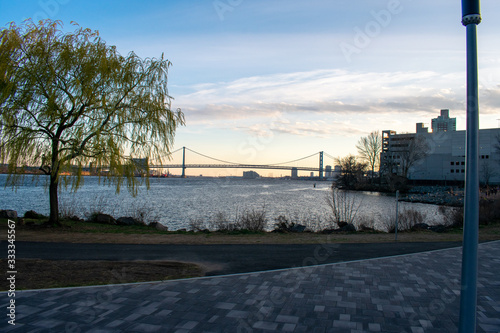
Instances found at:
x=54 y=202
x=54 y=184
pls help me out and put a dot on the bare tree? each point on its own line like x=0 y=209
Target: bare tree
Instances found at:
x=352 y=171
x=369 y=148
x=486 y=172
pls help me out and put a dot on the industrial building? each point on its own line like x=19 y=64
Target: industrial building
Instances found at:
x=439 y=155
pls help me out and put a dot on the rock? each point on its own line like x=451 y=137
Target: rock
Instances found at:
x=158 y=226
x=349 y=227
x=8 y=214
x=342 y=224
x=31 y=214
x=420 y=226
x=104 y=219
x=127 y=220
x=298 y=228
x=438 y=228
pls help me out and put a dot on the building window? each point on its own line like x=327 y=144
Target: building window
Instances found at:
x=463 y=171
x=463 y=163
x=452 y=171
x=458 y=171
x=452 y=163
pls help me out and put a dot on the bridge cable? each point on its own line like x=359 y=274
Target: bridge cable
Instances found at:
x=300 y=159
x=175 y=151
x=215 y=159
x=328 y=155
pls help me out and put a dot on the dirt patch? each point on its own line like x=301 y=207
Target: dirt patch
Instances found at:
x=40 y=274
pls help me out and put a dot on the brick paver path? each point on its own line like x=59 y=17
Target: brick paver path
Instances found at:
x=410 y=293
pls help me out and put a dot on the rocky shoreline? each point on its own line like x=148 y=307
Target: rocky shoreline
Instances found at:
x=436 y=195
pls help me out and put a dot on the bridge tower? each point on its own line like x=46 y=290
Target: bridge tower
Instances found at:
x=320 y=165
x=183 y=162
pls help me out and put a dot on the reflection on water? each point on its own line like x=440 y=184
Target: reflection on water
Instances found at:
x=175 y=202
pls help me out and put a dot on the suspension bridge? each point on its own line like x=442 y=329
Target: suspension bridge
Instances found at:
x=221 y=164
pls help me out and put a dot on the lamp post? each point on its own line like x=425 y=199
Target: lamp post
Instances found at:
x=471 y=17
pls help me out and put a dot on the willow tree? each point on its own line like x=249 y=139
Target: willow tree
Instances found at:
x=68 y=100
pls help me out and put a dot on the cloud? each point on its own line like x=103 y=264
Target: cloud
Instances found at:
x=322 y=103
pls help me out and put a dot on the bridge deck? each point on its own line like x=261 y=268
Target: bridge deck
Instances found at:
x=231 y=166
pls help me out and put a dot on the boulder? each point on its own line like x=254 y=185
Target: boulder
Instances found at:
x=8 y=214
x=329 y=231
x=298 y=228
x=158 y=226
x=104 y=219
x=420 y=226
x=127 y=220
x=342 y=224
x=438 y=228
x=31 y=214
x=349 y=227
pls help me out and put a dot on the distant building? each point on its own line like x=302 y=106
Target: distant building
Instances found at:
x=444 y=123
x=445 y=158
x=421 y=128
x=250 y=175
x=295 y=173
x=328 y=171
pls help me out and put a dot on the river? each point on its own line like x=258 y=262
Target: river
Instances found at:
x=177 y=202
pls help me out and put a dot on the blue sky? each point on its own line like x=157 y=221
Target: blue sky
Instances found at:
x=264 y=81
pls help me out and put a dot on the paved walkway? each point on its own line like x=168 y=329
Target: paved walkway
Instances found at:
x=411 y=293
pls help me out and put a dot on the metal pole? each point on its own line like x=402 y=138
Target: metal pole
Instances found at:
x=183 y=162
x=471 y=17
x=397 y=214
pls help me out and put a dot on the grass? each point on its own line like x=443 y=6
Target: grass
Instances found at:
x=40 y=274
x=89 y=232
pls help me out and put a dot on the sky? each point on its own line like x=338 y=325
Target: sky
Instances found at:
x=268 y=81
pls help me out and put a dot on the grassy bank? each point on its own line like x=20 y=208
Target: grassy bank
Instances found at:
x=88 y=232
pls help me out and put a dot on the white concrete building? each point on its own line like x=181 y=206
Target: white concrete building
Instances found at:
x=445 y=158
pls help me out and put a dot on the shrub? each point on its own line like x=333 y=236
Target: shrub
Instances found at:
x=365 y=223
x=452 y=216
x=282 y=224
x=344 y=206
x=143 y=212
x=221 y=222
x=253 y=220
x=408 y=218
x=197 y=224
x=69 y=208
x=489 y=210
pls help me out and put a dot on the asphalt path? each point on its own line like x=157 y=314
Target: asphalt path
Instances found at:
x=225 y=259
